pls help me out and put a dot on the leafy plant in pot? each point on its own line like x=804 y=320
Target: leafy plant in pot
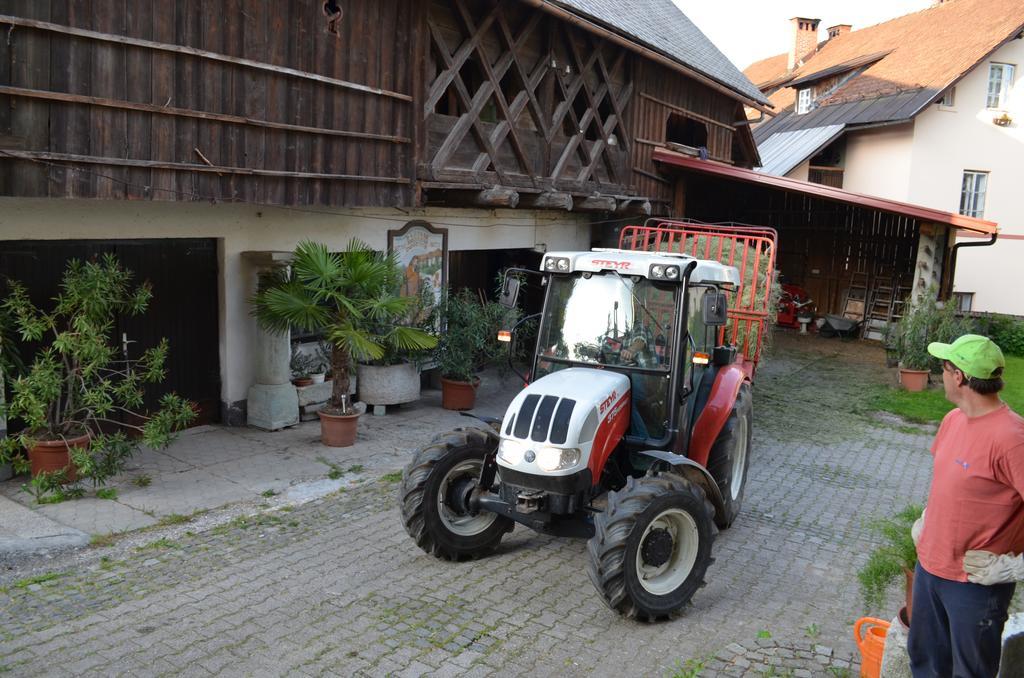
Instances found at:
x=927 y=321
x=394 y=378
x=893 y=560
x=81 y=401
x=467 y=344
x=338 y=294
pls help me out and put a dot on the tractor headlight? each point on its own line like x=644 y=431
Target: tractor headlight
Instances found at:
x=556 y=459
x=511 y=452
x=663 y=272
x=556 y=264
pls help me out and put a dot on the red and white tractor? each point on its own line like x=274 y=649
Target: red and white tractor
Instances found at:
x=634 y=429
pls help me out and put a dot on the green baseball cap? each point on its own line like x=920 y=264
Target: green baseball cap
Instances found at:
x=975 y=355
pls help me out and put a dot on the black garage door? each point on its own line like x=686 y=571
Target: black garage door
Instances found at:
x=183 y=273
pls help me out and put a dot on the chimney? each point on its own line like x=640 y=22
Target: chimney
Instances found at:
x=839 y=29
x=805 y=40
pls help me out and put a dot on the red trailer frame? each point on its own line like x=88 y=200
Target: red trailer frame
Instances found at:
x=751 y=249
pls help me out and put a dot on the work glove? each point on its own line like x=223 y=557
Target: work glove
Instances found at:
x=917 y=528
x=984 y=567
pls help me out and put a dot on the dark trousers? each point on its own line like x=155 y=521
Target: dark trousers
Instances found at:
x=956 y=627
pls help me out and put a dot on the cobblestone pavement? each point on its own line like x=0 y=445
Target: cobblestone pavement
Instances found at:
x=335 y=586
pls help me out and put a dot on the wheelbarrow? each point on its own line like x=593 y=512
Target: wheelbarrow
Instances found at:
x=838 y=326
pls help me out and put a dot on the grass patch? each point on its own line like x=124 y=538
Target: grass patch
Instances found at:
x=355 y=468
x=38 y=579
x=269 y=493
x=142 y=480
x=931 y=406
x=101 y=540
x=764 y=634
x=393 y=477
x=173 y=519
x=106 y=493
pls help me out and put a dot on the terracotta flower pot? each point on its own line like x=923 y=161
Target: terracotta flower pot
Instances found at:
x=302 y=381
x=458 y=395
x=338 y=430
x=914 y=380
x=53 y=455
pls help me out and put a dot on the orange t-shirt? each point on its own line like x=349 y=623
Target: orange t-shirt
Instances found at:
x=977 y=495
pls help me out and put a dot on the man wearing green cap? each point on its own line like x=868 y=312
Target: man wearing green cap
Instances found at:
x=970 y=547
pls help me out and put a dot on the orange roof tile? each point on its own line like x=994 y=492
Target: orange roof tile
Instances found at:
x=929 y=49
x=766 y=70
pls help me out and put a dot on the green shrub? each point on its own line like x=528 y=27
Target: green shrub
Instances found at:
x=888 y=562
x=927 y=321
x=469 y=341
x=79 y=381
x=1008 y=333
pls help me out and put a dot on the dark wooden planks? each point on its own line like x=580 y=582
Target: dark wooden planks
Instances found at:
x=29 y=120
x=138 y=70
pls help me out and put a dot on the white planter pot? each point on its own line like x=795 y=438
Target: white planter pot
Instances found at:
x=388 y=385
x=317 y=378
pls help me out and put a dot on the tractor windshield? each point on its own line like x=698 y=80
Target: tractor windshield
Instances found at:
x=609 y=319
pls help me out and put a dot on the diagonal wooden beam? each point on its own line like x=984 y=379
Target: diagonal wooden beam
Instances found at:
x=533 y=80
x=502 y=131
x=617 y=108
x=470 y=120
x=594 y=101
x=456 y=61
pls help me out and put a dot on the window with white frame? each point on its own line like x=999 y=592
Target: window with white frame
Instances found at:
x=972 y=194
x=948 y=97
x=1000 y=79
x=803 y=101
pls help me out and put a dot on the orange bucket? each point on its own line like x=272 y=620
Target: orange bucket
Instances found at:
x=871 y=644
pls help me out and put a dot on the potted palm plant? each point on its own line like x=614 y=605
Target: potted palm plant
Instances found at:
x=81 y=400
x=394 y=378
x=467 y=344
x=339 y=295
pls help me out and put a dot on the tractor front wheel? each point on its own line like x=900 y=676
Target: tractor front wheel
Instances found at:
x=652 y=546
x=435 y=489
x=730 y=457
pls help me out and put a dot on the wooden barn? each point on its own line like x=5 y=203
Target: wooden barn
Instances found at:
x=198 y=139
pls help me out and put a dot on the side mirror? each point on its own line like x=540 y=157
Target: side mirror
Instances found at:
x=714 y=309
x=509 y=292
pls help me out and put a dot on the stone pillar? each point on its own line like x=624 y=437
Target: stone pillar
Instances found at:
x=930 y=255
x=273 y=402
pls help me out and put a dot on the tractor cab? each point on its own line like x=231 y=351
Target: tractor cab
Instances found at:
x=637 y=314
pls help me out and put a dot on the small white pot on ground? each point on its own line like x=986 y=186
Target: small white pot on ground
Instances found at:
x=388 y=384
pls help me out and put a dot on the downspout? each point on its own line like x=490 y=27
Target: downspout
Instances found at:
x=948 y=287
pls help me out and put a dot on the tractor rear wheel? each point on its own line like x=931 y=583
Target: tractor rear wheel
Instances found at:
x=730 y=457
x=435 y=488
x=651 y=546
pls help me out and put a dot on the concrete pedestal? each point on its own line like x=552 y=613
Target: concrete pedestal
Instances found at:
x=273 y=403
x=273 y=406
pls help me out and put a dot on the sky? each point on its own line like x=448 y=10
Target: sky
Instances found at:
x=749 y=30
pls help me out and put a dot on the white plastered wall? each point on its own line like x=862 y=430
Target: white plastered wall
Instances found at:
x=948 y=141
x=878 y=161
x=244 y=228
